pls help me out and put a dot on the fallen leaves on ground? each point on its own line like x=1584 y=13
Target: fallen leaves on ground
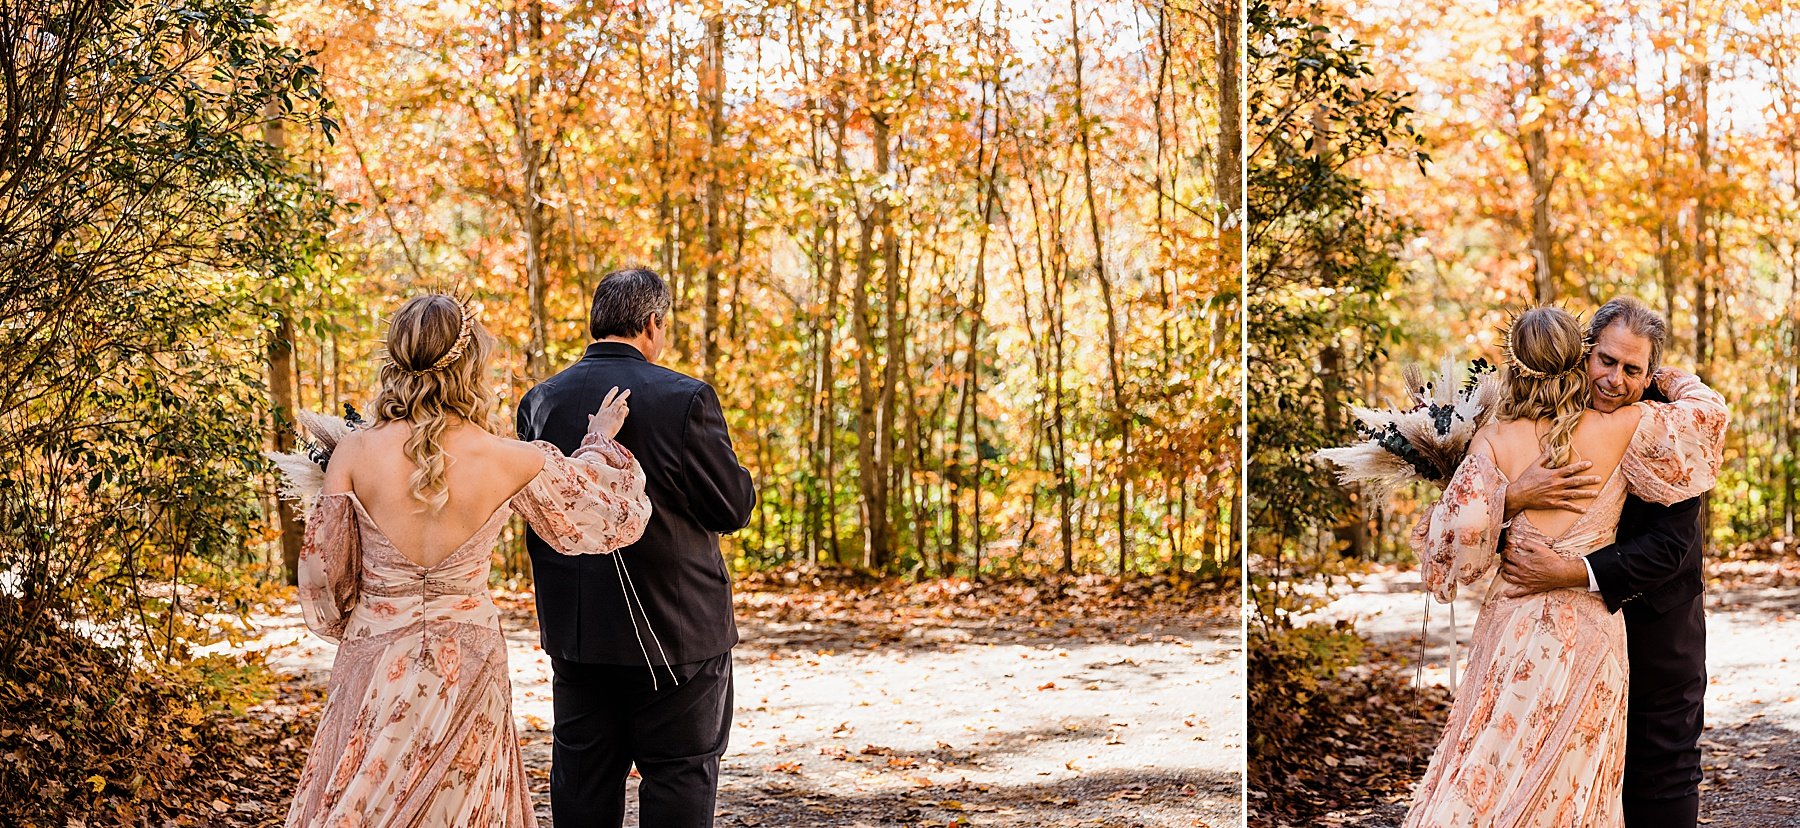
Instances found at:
x=827 y=608
x=89 y=737
x=1340 y=741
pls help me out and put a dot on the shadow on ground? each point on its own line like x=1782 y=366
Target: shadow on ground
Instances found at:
x=1752 y=776
x=1160 y=799
x=949 y=636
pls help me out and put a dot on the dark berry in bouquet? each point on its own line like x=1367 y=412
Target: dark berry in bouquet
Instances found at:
x=1423 y=442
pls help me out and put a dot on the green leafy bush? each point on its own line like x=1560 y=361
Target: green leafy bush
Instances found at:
x=141 y=211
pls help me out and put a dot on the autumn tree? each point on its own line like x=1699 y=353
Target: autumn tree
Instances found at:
x=960 y=277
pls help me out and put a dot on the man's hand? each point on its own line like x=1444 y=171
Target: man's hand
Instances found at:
x=1539 y=487
x=1530 y=567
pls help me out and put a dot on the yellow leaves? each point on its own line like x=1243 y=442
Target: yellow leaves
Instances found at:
x=97 y=781
x=797 y=178
x=1531 y=116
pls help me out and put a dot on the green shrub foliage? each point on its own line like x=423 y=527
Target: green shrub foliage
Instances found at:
x=142 y=213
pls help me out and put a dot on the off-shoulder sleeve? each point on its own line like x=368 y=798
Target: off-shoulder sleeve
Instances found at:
x=1678 y=446
x=589 y=503
x=330 y=566
x=1458 y=538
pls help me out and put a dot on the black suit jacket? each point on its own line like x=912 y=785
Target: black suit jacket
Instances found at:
x=1653 y=564
x=697 y=492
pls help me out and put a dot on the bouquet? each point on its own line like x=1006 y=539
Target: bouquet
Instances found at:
x=303 y=471
x=1422 y=443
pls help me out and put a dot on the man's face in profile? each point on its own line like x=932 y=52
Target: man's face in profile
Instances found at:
x=1618 y=368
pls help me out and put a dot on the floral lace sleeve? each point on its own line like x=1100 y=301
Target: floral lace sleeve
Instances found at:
x=590 y=503
x=1458 y=538
x=330 y=566
x=1678 y=446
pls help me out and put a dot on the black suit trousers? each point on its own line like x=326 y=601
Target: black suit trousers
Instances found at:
x=612 y=716
x=1664 y=718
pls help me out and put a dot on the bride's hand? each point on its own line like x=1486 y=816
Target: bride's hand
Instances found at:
x=612 y=413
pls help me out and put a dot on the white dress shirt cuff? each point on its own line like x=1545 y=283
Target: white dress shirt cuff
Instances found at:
x=1593 y=583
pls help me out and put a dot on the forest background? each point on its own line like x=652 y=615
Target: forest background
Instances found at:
x=1416 y=170
x=965 y=275
x=960 y=271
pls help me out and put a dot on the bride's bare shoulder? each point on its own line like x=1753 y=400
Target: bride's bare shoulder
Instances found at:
x=376 y=437
x=1489 y=440
x=517 y=457
x=1620 y=422
x=1498 y=433
x=351 y=451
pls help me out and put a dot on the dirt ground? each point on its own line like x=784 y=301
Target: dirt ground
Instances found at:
x=1751 y=748
x=936 y=718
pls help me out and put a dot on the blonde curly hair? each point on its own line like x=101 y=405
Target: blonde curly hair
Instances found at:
x=437 y=356
x=1545 y=376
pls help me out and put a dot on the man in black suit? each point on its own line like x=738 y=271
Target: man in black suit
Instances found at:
x=1651 y=571
x=640 y=640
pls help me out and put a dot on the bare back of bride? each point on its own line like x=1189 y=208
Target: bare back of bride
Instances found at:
x=417 y=727
x=1536 y=736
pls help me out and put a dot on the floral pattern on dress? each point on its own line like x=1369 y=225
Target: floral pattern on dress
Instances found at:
x=590 y=503
x=1679 y=445
x=1457 y=540
x=418 y=726
x=1536 y=736
x=330 y=558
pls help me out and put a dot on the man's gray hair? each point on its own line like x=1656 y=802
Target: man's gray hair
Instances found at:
x=1638 y=319
x=625 y=300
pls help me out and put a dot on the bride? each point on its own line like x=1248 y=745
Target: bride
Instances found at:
x=418 y=727
x=1536 y=736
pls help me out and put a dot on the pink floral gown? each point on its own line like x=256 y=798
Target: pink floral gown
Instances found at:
x=418 y=729
x=1536 y=736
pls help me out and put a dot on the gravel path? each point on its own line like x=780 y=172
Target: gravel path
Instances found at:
x=948 y=723
x=1752 y=740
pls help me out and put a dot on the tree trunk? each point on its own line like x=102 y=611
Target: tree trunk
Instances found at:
x=1705 y=249
x=1546 y=269
x=824 y=396
x=1039 y=420
x=281 y=394
x=1114 y=370
x=530 y=206
x=1791 y=404
x=712 y=94
x=1065 y=483
x=893 y=350
x=876 y=450
x=971 y=396
x=1354 y=533
x=1228 y=178
x=675 y=264
x=872 y=472
x=972 y=386
x=280 y=352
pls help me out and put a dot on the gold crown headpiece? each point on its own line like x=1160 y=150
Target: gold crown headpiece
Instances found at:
x=463 y=335
x=1528 y=372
